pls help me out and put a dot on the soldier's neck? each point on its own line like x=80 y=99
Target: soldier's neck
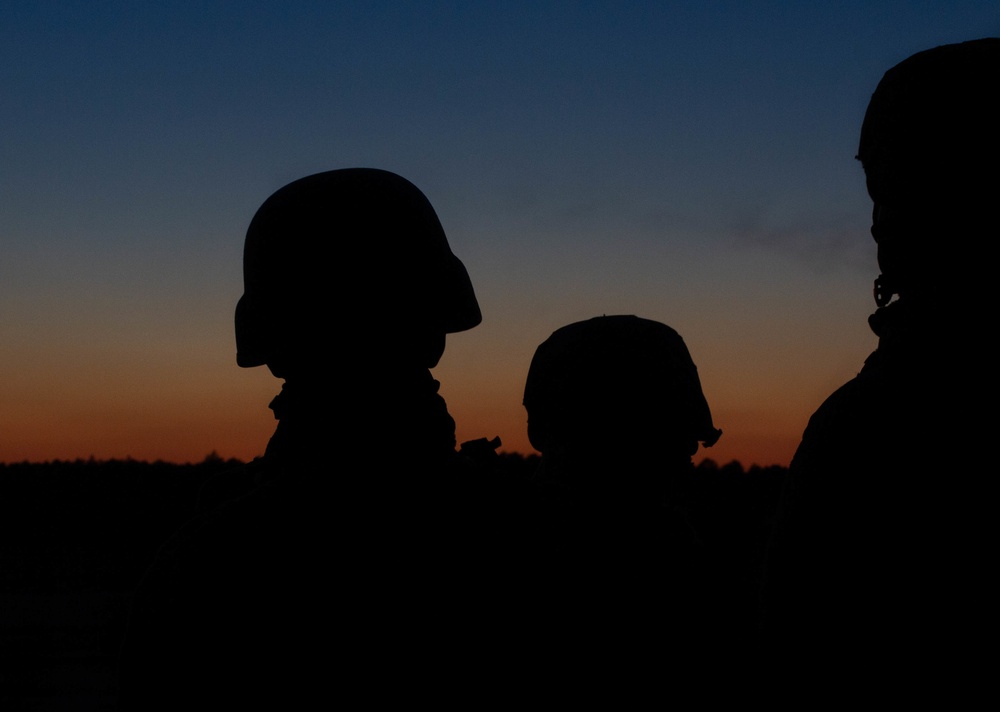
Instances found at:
x=396 y=412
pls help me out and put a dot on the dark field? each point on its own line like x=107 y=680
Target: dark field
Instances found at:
x=77 y=537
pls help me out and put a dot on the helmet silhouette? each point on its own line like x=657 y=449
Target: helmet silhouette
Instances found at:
x=929 y=146
x=353 y=253
x=931 y=124
x=616 y=376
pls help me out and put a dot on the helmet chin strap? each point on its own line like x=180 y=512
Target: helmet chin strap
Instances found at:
x=882 y=291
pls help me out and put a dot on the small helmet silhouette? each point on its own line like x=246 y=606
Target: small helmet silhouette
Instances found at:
x=616 y=377
x=339 y=257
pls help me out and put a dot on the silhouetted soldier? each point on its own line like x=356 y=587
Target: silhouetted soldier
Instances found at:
x=624 y=586
x=338 y=564
x=880 y=570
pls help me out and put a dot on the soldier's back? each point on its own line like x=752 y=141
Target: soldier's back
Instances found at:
x=883 y=540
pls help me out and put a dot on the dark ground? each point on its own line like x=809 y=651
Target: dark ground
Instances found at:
x=76 y=537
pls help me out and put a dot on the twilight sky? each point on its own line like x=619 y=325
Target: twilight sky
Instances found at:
x=689 y=162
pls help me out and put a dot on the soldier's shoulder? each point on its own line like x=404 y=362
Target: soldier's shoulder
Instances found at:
x=848 y=417
x=233 y=483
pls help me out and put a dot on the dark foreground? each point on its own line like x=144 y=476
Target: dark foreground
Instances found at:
x=76 y=537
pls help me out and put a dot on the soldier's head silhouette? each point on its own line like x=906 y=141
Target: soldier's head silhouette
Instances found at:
x=350 y=288
x=349 y=267
x=615 y=390
x=930 y=148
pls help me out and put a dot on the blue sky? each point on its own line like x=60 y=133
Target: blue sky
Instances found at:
x=690 y=162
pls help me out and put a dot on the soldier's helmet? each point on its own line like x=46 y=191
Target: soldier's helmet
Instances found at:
x=932 y=121
x=346 y=255
x=930 y=148
x=616 y=378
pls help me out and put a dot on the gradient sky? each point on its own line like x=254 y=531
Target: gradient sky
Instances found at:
x=689 y=162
